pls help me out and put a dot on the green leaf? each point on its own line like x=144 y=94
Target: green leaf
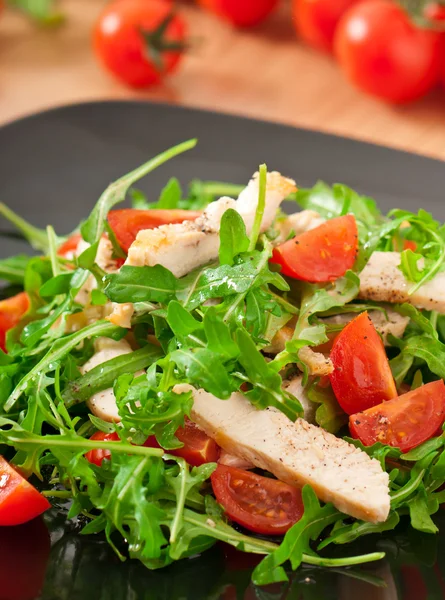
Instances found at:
x=219 y=337
x=93 y=227
x=43 y=12
x=232 y=236
x=202 y=368
x=104 y=375
x=36 y=237
x=345 y=534
x=60 y=284
x=57 y=351
x=296 y=541
x=180 y=320
x=256 y=227
x=420 y=510
x=98 y=298
x=170 y=195
x=141 y=284
x=267 y=383
x=409 y=265
x=329 y=414
x=13 y=269
x=428 y=349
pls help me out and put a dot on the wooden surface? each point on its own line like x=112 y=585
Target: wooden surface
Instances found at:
x=264 y=73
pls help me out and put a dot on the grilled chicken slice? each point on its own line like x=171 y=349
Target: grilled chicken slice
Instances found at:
x=295 y=224
x=391 y=323
x=186 y=246
x=298 y=453
x=381 y=280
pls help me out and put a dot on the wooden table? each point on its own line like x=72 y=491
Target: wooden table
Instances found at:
x=264 y=73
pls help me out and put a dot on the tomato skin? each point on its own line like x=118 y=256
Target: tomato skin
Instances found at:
x=316 y=20
x=322 y=254
x=247 y=499
x=19 y=500
x=24 y=554
x=11 y=311
x=242 y=13
x=119 y=43
x=97 y=455
x=67 y=249
x=404 y=422
x=127 y=222
x=198 y=448
x=383 y=53
x=362 y=376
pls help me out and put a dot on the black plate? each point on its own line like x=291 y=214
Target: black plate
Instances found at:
x=53 y=167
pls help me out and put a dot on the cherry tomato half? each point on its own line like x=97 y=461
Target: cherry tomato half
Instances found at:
x=362 y=376
x=260 y=504
x=127 y=222
x=317 y=20
x=404 y=422
x=139 y=41
x=68 y=248
x=198 y=448
x=322 y=254
x=242 y=13
x=11 y=311
x=19 y=500
x=383 y=52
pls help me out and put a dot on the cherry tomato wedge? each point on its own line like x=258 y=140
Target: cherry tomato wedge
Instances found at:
x=198 y=448
x=127 y=222
x=362 y=376
x=67 y=249
x=19 y=500
x=259 y=504
x=322 y=254
x=404 y=422
x=97 y=455
x=11 y=311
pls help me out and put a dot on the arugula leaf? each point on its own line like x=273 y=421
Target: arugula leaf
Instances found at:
x=329 y=414
x=232 y=236
x=43 y=12
x=13 y=269
x=296 y=541
x=35 y=236
x=256 y=227
x=57 y=351
x=170 y=195
x=93 y=227
x=141 y=284
x=103 y=376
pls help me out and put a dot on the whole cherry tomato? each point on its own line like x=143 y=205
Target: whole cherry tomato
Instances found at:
x=242 y=13
x=139 y=41
x=385 y=54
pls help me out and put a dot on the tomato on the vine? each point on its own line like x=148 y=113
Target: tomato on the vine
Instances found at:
x=385 y=54
x=317 y=20
x=242 y=13
x=139 y=41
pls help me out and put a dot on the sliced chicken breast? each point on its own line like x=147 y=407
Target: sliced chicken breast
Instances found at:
x=186 y=246
x=391 y=323
x=298 y=453
x=381 y=280
x=297 y=223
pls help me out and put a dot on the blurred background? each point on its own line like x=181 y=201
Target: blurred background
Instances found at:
x=369 y=69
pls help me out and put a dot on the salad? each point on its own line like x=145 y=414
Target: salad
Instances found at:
x=202 y=369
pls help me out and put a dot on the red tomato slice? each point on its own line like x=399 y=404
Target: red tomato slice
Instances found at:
x=11 y=311
x=127 y=222
x=259 y=504
x=404 y=422
x=198 y=448
x=321 y=254
x=97 y=455
x=19 y=500
x=24 y=554
x=68 y=247
x=362 y=376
